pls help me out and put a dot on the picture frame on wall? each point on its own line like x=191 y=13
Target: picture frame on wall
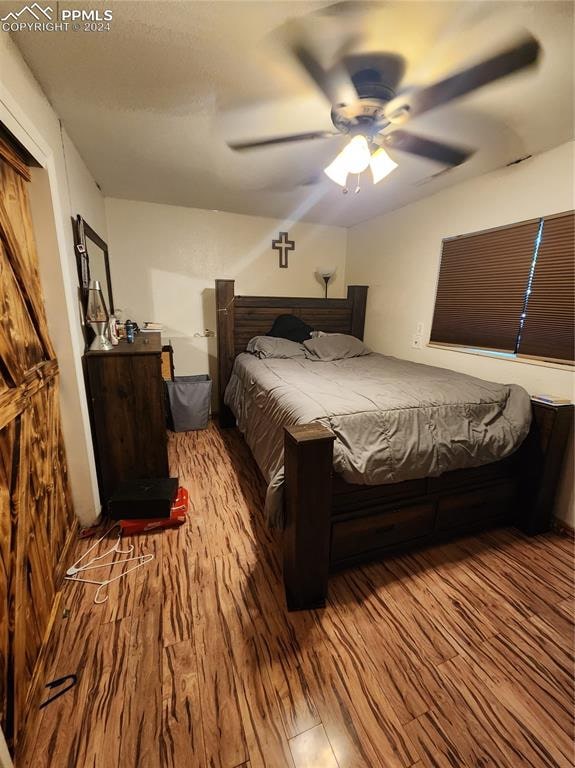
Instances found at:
x=92 y=260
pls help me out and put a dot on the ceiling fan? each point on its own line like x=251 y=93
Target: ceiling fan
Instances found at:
x=366 y=105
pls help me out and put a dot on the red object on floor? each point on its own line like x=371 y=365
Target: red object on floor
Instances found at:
x=177 y=517
x=182 y=500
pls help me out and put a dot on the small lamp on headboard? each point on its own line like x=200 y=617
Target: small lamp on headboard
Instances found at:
x=325 y=274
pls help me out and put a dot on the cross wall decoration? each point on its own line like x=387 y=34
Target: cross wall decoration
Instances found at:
x=284 y=245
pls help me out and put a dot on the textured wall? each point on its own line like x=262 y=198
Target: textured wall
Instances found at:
x=164 y=260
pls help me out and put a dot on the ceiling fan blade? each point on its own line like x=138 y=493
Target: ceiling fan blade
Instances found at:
x=350 y=8
x=276 y=140
x=517 y=57
x=446 y=154
x=335 y=83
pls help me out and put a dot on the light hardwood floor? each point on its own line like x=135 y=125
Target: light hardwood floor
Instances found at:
x=459 y=655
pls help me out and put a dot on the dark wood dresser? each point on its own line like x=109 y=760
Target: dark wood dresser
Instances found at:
x=127 y=412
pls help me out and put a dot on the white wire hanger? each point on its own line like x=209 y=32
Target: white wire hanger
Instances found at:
x=76 y=568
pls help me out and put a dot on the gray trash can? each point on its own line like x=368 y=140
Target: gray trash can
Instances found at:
x=189 y=399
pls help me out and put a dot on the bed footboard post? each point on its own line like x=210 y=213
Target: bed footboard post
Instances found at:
x=357 y=294
x=225 y=326
x=542 y=458
x=308 y=460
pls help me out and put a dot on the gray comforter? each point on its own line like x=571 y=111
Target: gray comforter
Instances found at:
x=394 y=420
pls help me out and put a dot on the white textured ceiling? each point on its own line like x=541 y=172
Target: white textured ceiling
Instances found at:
x=150 y=103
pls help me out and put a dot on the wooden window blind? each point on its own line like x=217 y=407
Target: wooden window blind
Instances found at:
x=481 y=287
x=547 y=331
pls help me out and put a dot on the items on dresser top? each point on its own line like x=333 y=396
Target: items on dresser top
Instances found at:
x=551 y=399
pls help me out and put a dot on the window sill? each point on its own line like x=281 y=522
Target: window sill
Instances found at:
x=509 y=356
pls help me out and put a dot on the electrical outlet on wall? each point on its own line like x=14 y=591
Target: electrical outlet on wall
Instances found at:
x=419 y=329
x=417 y=342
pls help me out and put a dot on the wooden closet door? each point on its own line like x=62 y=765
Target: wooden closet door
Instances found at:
x=35 y=506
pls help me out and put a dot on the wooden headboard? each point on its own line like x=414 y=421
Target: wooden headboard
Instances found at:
x=239 y=318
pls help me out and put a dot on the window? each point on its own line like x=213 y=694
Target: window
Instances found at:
x=510 y=289
x=550 y=298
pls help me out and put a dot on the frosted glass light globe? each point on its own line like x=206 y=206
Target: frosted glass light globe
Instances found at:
x=356 y=155
x=381 y=165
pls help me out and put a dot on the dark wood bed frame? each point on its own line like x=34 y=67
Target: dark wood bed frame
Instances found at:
x=331 y=524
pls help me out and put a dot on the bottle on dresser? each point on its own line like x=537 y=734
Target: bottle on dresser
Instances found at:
x=130 y=331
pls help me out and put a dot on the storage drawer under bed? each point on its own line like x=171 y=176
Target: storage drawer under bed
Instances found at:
x=480 y=506
x=353 y=539
x=385 y=529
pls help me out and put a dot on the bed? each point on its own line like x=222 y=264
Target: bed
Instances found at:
x=369 y=454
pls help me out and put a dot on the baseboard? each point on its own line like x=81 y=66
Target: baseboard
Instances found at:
x=563 y=528
x=63 y=564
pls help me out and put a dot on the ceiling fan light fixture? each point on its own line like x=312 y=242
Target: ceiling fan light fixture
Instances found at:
x=381 y=165
x=354 y=158
x=337 y=171
x=356 y=155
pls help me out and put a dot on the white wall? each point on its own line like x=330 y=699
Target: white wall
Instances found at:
x=164 y=260
x=85 y=196
x=398 y=256
x=61 y=189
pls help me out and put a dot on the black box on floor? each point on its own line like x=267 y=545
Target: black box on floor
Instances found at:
x=146 y=498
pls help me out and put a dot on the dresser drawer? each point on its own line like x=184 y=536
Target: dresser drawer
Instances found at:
x=399 y=524
x=481 y=506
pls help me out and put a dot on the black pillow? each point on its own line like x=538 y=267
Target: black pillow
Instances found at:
x=290 y=327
